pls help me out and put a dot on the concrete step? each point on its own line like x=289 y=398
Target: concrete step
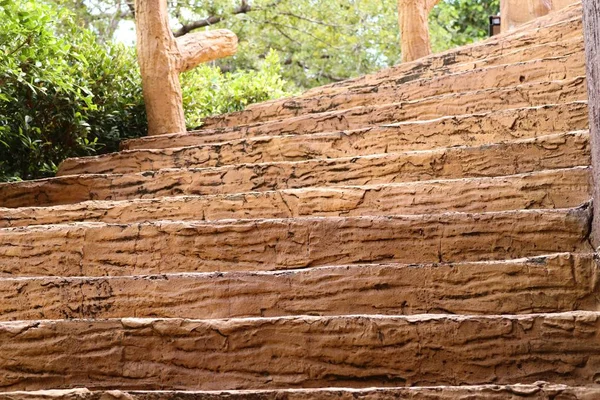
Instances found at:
x=387 y=92
x=98 y=249
x=537 y=391
x=553 y=283
x=300 y=352
x=485 y=100
x=481 y=101
x=546 y=31
x=520 y=156
x=417 y=135
x=561 y=188
x=471 y=130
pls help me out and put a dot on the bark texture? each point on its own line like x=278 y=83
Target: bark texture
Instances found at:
x=414 y=28
x=591 y=19
x=518 y=12
x=162 y=58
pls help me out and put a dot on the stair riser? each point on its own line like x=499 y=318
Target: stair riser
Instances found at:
x=548 y=152
x=458 y=131
x=571 y=44
x=484 y=127
x=531 y=95
x=547 y=189
x=552 y=284
x=545 y=31
x=255 y=245
x=502 y=76
x=566 y=27
x=299 y=352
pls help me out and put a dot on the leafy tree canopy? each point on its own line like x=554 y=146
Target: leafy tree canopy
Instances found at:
x=318 y=41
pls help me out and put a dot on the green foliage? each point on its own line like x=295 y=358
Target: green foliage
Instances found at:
x=64 y=94
x=209 y=91
x=460 y=22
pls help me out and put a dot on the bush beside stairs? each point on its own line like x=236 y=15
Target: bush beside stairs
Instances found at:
x=418 y=233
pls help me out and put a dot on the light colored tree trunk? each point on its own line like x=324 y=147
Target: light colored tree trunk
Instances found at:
x=591 y=30
x=518 y=12
x=414 y=28
x=162 y=58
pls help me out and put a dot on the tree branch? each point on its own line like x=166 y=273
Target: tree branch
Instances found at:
x=186 y=28
x=199 y=47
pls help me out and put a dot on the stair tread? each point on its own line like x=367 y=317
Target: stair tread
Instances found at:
x=391 y=138
x=554 y=67
x=550 y=283
x=509 y=158
x=519 y=122
x=292 y=352
x=525 y=95
x=93 y=248
x=560 y=188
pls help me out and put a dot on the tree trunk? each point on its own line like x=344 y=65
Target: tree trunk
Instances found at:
x=414 y=28
x=162 y=58
x=591 y=27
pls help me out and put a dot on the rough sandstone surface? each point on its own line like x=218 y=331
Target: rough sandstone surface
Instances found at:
x=515 y=157
x=553 y=283
x=561 y=188
x=96 y=249
x=444 y=131
x=475 y=130
x=293 y=352
x=547 y=69
x=427 y=225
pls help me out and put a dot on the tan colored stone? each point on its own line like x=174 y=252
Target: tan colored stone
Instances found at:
x=486 y=100
x=96 y=249
x=562 y=188
x=548 y=30
x=448 y=132
x=485 y=127
x=544 y=70
x=521 y=156
x=555 y=283
x=538 y=391
x=293 y=352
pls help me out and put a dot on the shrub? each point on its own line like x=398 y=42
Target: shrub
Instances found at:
x=209 y=91
x=64 y=94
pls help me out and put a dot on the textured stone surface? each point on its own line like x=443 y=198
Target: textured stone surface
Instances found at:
x=291 y=352
x=561 y=188
x=537 y=391
x=521 y=156
x=448 y=132
x=554 y=283
x=526 y=95
x=91 y=249
x=545 y=31
x=548 y=69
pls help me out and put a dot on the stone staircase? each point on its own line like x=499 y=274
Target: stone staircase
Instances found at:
x=418 y=233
